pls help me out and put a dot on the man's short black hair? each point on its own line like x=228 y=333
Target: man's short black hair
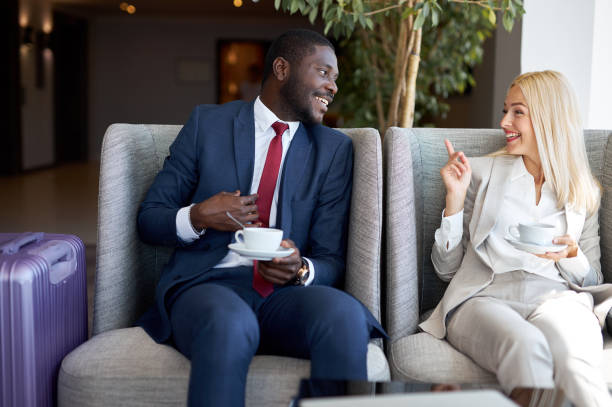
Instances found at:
x=293 y=46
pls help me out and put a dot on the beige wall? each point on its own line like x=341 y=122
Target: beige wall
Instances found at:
x=133 y=66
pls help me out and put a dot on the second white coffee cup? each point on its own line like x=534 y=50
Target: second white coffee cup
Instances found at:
x=535 y=233
x=263 y=239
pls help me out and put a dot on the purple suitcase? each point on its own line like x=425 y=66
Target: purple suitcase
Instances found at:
x=43 y=313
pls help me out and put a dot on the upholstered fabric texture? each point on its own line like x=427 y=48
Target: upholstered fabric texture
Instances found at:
x=414 y=199
x=122 y=365
x=363 y=276
x=126 y=367
x=423 y=357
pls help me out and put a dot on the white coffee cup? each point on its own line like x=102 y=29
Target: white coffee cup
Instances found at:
x=262 y=239
x=533 y=232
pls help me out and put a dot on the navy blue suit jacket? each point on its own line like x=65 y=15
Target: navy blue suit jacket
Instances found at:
x=215 y=152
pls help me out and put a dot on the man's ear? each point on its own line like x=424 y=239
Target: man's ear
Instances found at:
x=280 y=69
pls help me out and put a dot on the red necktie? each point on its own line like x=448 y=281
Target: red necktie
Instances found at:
x=265 y=193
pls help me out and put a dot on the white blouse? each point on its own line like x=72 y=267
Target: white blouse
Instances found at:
x=518 y=206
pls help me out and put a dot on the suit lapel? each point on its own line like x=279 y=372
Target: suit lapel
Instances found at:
x=500 y=178
x=293 y=170
x=244 y=147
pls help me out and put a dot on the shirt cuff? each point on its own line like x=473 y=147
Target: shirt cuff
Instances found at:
x=450 y=232
x=311 y=273
x=184 y=229
x=577 y=267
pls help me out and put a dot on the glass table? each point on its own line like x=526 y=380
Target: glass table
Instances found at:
x=330 y=393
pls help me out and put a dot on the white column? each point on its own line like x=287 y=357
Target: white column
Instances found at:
x=599 y=115
x=574 y=38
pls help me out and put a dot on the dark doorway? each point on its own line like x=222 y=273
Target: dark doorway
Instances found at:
x=10 y=136
x=70 y=56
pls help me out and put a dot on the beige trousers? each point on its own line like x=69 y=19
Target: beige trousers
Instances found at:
x=534 y=332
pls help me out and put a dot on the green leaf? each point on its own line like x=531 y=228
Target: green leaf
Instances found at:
x=508 y=22
x=294 y=6
x=512 y=9
x=492 y=17
x=407 y=11
x=326 y=4
x=370 y=23
x=338 y=13
x=277 y=4
x=425 y=11
x=358 y=6
x=312 y=16
x=327 y=26
x=362 y=21
x=434 y=17
x=419 y=21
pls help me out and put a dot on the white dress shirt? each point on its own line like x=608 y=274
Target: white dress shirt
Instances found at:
x=518 y=206
x=264 y=133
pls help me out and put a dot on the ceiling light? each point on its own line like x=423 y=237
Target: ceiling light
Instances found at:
x=237 y=3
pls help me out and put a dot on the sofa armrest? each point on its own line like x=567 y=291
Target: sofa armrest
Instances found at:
x=126 y=268
x=401 y=243
x=363 y=277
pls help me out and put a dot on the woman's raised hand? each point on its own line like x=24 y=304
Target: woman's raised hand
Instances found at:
x=456 y=175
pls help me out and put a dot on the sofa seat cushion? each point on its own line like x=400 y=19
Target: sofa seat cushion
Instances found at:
x=126 y=367
x=607 y=359
x=424 y=358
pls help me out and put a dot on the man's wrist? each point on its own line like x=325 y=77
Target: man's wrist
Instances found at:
x=199 y=229
x=302 y=274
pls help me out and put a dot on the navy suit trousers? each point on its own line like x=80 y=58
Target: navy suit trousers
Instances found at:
x=221 y=323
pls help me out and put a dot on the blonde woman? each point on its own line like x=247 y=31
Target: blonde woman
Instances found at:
x=532 y=319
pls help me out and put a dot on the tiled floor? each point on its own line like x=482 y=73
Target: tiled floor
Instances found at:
x=62 y=199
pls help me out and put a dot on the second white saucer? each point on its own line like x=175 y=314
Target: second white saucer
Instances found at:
x=259 y=254
x=534 y=248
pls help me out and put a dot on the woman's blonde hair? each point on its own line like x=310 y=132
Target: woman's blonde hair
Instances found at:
x=557 y=126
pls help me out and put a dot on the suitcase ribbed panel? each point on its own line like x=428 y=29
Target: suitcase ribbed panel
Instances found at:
x=41 y=321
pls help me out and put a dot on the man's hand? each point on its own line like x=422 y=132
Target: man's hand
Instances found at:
x=281 y=270
x=210 y=214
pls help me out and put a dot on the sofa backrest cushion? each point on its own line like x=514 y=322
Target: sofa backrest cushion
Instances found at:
x=127 y=270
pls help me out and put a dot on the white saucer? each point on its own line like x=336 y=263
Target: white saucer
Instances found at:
x=259 y=254
x=534 y=248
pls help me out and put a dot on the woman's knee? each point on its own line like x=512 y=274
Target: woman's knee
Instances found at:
x=526 y=345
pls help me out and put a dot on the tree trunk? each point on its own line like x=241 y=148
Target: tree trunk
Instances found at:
x=398 y=75
x=407 y=114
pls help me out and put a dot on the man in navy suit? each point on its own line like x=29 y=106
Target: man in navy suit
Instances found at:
x=268 y=162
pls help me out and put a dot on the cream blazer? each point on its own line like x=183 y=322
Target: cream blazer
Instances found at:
x=467 y=266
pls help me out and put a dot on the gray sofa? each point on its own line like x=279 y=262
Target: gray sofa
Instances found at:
x=414 y=199
x=120 y=365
